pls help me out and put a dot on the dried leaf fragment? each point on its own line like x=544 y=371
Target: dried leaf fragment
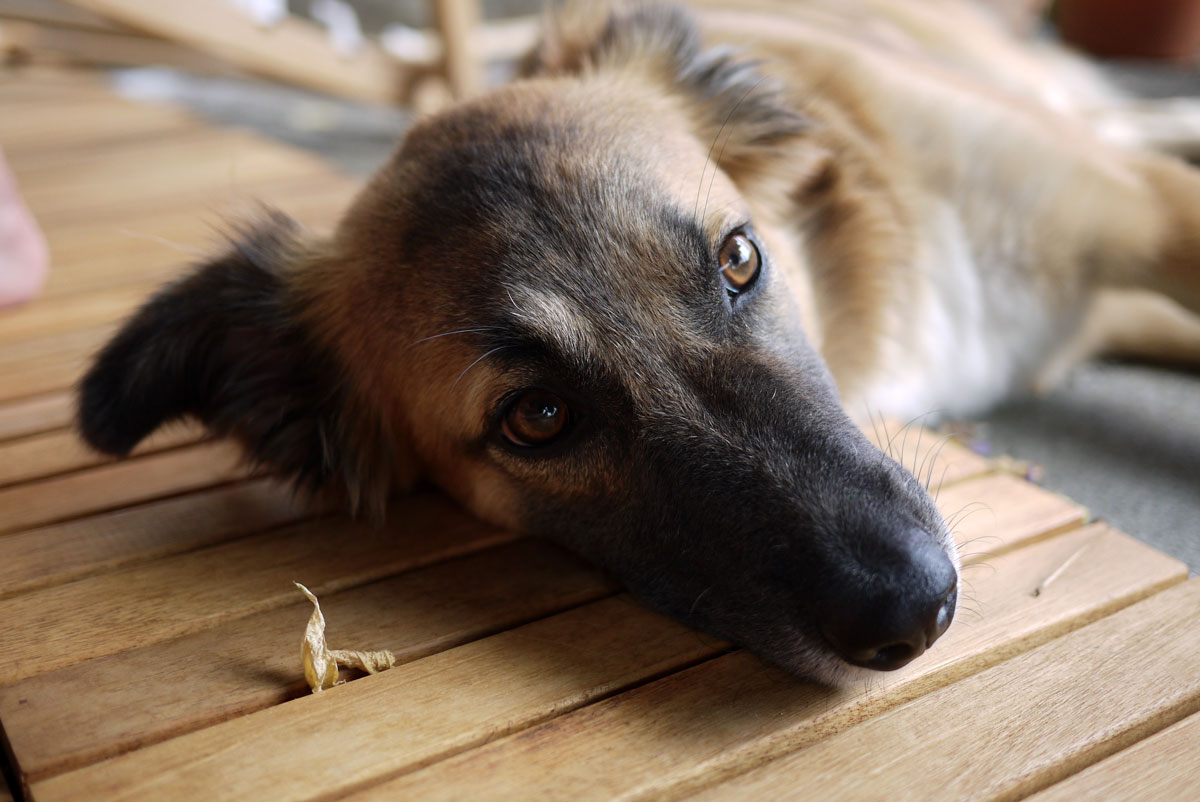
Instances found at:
x=370 y=662
x=321 y=663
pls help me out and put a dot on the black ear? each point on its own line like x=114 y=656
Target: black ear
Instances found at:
x=741 y=111
x=226 y=345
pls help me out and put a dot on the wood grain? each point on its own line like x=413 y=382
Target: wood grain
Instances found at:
x=34 y=130
x=997 y=513
x=1033 y=720
x=147 y=248
x=36 y=414
x=51 y=453
x=333 y=741
x=59 y=553
x=723 y=716
x=79 y=715
x=1165 y=766
x=37 y=376
x=182 y=170
x=294 y=50
x=935 y=460
x=100 y=615
x=119 y=484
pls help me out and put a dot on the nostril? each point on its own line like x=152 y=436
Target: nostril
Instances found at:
x=892 y=657
x=908 y=604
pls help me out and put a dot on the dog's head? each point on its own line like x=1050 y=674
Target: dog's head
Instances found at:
x=569 y=305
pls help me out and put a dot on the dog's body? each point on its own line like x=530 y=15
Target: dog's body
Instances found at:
x=610 y=304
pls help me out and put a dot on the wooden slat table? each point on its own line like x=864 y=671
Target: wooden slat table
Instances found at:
x=150 y=638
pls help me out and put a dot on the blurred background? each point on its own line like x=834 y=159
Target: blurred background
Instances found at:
x=344 y=78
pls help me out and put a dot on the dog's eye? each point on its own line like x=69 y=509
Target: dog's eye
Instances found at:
x=740 y=262
x=534 y=419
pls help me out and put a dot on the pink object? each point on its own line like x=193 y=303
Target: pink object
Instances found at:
x=24 y=258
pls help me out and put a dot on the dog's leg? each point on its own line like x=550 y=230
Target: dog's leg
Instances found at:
x=1149 y=236
x=1127 y=324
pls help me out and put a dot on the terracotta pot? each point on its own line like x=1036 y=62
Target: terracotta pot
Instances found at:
x=1161 y=29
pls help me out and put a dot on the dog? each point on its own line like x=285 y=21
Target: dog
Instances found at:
x=636 y=300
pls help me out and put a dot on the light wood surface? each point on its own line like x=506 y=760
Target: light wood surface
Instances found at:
x=29 y=416
x=1165 y=766
x=57 y=553
x=691 y=728
x=78 y=715
x=150 y=646
x=1033 y=720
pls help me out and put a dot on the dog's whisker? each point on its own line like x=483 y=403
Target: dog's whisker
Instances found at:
x=716 y=166
x=933 y=461
x=696 y=601
x=932 y=454
x=952 y=519
x=476 y=330
x=172 y=244
x=709 y=160
x=476 y=362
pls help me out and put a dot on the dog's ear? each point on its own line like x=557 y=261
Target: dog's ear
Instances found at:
x=228 y=346
x=744 y=114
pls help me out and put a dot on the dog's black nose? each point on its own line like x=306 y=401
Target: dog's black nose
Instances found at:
x=901 y=602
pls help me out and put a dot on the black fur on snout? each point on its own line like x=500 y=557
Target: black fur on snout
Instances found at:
x=773 y=523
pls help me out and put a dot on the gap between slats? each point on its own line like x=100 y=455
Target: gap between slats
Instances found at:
x=1165 y=766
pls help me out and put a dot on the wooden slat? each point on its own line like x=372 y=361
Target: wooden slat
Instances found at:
x=15 y=358
x=96 y=121
x=118 y=484
x=734 y=712
x=1032 y=721
x=73 y=46
x=185 y=170
x=37 y=325
x=52 y=453
x=293 y=50
x=1163 y=767
x=55 y=12
x=333 y=741
x=935 y=460
x=88 y=257
x=79 y=715
x=37 y=414
x=58 y=553
x=197 y=201
x=36 y=376
x=113 y=612
x=24 y=86
x=994 y=514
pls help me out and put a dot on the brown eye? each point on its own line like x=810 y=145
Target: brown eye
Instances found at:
x=534 y=419
x=740 y=261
